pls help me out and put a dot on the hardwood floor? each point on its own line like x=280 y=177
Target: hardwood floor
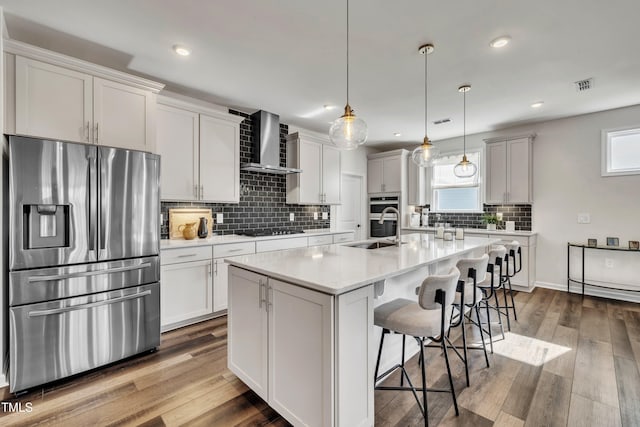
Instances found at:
x=566 y=362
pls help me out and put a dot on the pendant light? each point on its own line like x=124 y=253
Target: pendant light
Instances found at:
x=464 y=169
x=348 y=131
x=427 y=152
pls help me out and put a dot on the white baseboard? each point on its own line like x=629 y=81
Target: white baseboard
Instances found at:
x=576 y=288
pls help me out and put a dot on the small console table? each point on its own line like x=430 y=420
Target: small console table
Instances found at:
x=582 y=281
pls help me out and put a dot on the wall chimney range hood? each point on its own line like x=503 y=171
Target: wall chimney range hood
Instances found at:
x=266 y=145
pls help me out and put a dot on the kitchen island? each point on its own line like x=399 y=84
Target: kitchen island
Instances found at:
x=300 y=323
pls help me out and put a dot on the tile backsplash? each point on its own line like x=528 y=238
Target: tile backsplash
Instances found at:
x=521 y=214
x=262 y=197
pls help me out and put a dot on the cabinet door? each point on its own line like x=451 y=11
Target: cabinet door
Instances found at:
x=248 y=329
x=518 y=171
x=219 y=160
x=53 y=102
x=123 y=116
x=187 y=291
x=220 y=284
x=310 y=179
x=392 y=174
x=496 y=172
x=331 y=170
x=300 y=354
x=374 y=176
x=177 y=144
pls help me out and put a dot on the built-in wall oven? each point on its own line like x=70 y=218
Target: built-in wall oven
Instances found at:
x=376 y=206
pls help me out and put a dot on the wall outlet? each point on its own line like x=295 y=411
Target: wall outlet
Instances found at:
x=325 y=215
x=161 y=220
x=608 y=262
x=292 y=217
x=219 y=218
x=315 y=215
x=584 y=218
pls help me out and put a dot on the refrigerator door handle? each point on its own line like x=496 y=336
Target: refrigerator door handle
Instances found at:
x=85 y=306
x=35 y=279
x=93 y=202
x=103 y=204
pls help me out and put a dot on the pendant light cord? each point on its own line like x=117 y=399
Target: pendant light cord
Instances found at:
x=426 y=54
x=347 y=52
x=464 y=122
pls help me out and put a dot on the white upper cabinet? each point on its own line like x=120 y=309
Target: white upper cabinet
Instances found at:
x=509 y=170
x=177 y=142
x=386 y=172
x=200 y=152
x=123 y=116
x=319 y=181
x=59 y=97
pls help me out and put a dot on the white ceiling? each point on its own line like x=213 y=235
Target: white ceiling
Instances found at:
x=288 y=56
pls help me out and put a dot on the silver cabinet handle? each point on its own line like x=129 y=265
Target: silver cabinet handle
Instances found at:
x=210 y=270
x=88 y=132
x=38 y=313
x=215 y=268
x=201 y=192
x=97 y=133
x=195 y=191
x=269 y=296
x=186 y=255
x=262 y=299
x=34 y=279
x=235 y=250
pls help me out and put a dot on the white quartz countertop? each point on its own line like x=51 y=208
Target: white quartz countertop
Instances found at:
x=235 y=238
x=478 y=231
x=336 y=269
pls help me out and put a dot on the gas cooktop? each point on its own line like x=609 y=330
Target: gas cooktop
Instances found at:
x=270 y=232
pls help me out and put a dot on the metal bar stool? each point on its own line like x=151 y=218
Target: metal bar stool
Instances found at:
x=429 y=318
x=513 y=261
x=468 y=295
x=489 y=287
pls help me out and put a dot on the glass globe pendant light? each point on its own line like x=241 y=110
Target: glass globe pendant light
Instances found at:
x=464 y=169
x=427 y=152
x=348 y=132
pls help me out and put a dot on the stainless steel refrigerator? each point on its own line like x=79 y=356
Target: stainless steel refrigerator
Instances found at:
x=83 y=257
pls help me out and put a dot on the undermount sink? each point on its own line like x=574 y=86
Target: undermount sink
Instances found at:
x=374 y=245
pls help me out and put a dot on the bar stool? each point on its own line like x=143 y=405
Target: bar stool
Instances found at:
x=513 y=261
x=429 y=318
x=468 y=295
x=490 y=285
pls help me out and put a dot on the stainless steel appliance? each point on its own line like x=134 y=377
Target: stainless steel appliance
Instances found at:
x=84 y=265
x=376 y=206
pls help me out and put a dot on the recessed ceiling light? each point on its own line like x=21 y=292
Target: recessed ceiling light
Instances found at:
x=329 y=107
x=397 y=134
x=500 y=42
x=537 y=104
x=181 y=50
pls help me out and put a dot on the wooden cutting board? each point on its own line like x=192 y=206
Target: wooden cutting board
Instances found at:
x=179 y=216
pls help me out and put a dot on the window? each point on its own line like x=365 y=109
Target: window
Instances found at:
x=453 y=194
x=621 y=152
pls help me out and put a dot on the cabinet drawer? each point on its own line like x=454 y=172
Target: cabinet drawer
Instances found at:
x=233 y=249
x=320 y=240
x=524 y=241
x=196 y=253
x=279 y=244
x=343 y=237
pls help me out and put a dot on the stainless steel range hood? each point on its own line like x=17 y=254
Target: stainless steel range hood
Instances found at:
x=266 y=145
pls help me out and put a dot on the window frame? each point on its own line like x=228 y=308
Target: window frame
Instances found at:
x=605 y=156
x=479 y=184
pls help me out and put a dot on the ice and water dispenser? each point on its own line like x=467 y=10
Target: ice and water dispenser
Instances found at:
x=46 y=226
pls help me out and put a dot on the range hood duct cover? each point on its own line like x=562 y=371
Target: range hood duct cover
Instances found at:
x=266 y=145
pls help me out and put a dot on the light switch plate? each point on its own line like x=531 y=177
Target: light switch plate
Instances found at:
x=292 y=217
x=219 y=218
x=325 y=215
x=584 y=218
x=315 y=215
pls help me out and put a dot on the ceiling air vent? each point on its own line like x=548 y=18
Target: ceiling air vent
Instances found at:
x=582 y=85
x=441 y=121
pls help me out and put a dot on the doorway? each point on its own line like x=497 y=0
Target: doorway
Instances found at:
x=351 y=216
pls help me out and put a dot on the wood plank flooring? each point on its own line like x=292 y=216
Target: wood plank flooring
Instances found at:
x=567 y=361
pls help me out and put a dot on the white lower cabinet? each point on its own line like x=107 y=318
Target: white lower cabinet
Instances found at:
x=186 y=292
x=282 y=344
x=221 y=270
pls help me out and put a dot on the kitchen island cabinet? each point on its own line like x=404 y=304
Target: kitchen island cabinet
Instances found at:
x=314 y=307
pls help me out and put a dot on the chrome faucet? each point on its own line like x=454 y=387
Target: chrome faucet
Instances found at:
x=381 y=220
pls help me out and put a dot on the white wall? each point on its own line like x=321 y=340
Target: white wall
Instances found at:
x=567 y=181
